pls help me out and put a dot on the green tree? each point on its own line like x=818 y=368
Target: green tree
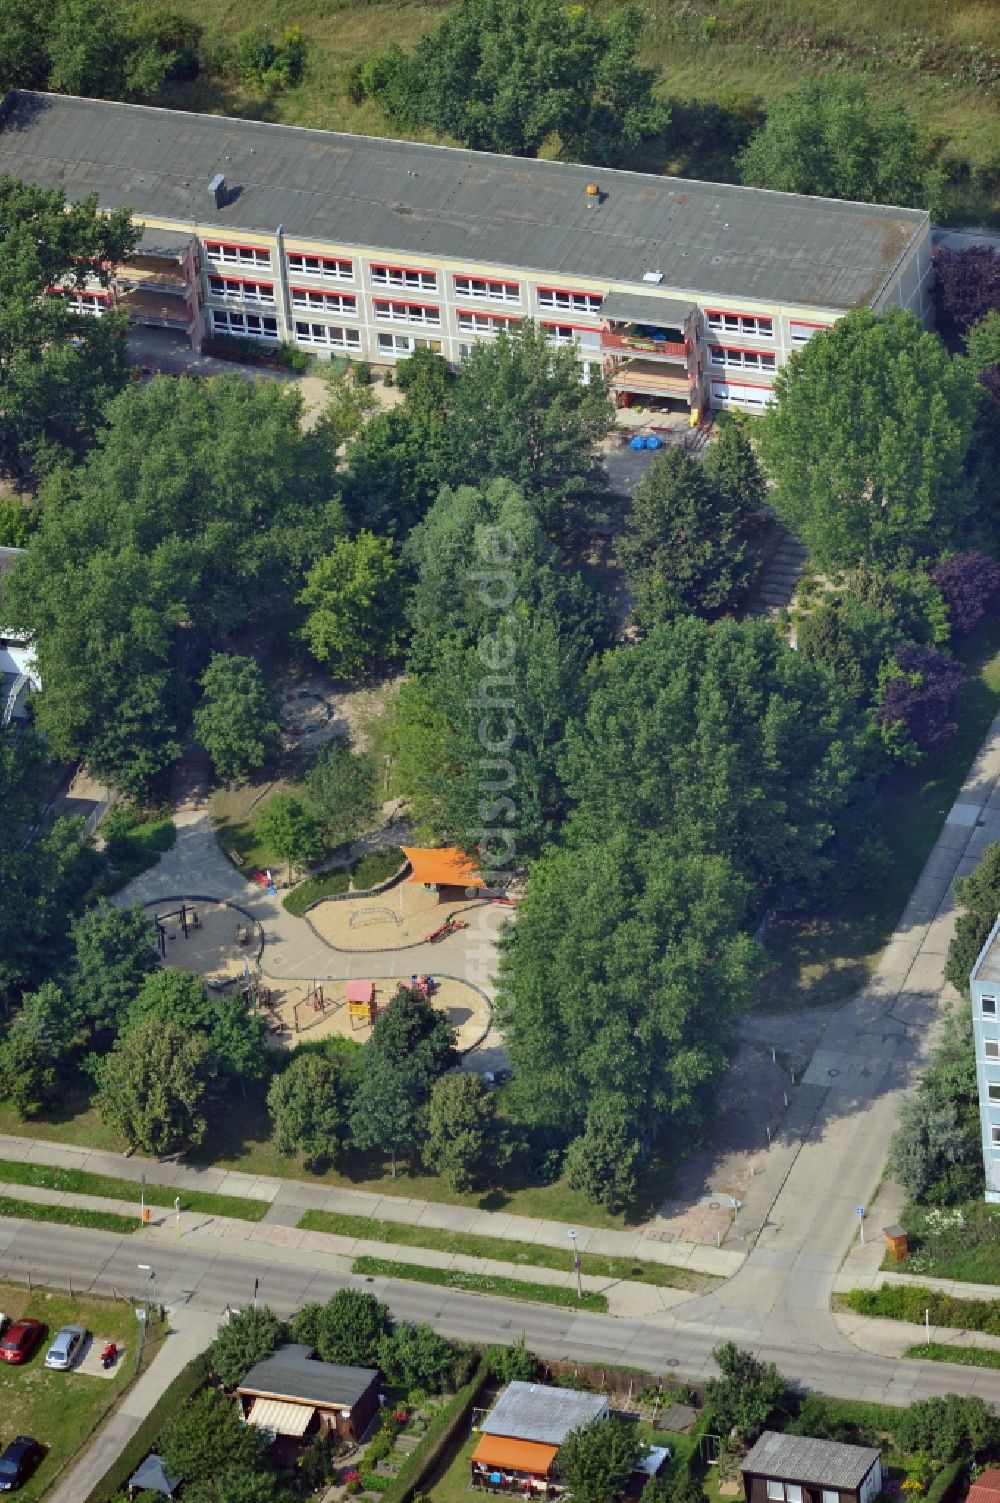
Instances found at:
x=936 y=1151
x=461 y=1128
x=621 y=979
x=290 y=829
x=151 y=1087
x=979 y=896
x=247 y=1338
x=415 y=1356
x=504 y=75
x=138 y=569
x=112 y=956
x=57 y=368
x=207 y=1436
x=724 y=736
x=603 y=1161
x=868 y=442
x=348 y=1329
x=512 y=1363
x=308 y=1104
x=342 y=787
x=354 y=605
x=748 y=1396
x=411 y=1045
x=179 y=997
x=396 y=465
x=683 y=548
x=47 y=1031
x=236 y=719
x=732 y=466
x=239 y=1484
x=983 y=341
x=238 y=1039
x=596 y=1461
x=951 y=1427
x=93 y=50
x=520 y=412
x=834 y=138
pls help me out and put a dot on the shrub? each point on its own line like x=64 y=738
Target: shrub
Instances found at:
x=375 y=867
x=969 y=583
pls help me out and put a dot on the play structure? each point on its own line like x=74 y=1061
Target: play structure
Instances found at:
x=188 y=923
x=448 y=927
x=362 y=1008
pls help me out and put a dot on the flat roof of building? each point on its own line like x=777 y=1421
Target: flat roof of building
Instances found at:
x=536 y=1412
x=987 y=966
x=801 y=1458
x=439 y=201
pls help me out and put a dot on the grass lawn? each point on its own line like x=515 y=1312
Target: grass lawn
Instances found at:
x=503 y=1248
x=142 y=848
x=82 y=1182
x=939 y=53
x=62 y=1409
x=827 y=958
x=962 y=1242
x=95 y=1221
x=482 y=1283
x=965 y=1356
x=234 y=814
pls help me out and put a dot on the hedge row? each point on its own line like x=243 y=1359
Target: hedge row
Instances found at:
x=946 y=1483
x=184 y=1386
x=909 y=1301
x=437 y=1439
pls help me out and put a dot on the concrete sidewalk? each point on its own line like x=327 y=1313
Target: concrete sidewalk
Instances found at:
x=291 y=1198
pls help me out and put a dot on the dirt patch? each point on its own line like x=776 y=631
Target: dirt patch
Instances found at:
x=403 y=915
x=297 y=1014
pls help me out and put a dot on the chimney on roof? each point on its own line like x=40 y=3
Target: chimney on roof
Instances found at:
x=217 y=187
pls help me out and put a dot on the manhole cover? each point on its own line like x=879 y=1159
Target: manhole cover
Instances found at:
x=673 y=1362
x=832 y=1073
x=713 y=1205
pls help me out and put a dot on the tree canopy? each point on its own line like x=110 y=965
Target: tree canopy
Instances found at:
x=868 y=442
x=620 y=982
x=151 y=1087
x=747 y=1396
x=57 y=368
x=505 y=75
x=596 y=1461
x=348 y=1329
x=236 y=718
x=835 y=138
x=724 y=737
x=462 y=1127
x=308 y=1102
x=411 y=1045
x=247 y=1338
x=138 y=567
x=354 y=605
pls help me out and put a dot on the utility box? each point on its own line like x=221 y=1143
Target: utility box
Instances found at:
x=896 y=1241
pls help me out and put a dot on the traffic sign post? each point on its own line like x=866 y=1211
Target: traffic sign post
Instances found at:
x=861 y=1224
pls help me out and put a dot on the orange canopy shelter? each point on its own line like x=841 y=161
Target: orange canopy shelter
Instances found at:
x=444 y=866
x=515 y=1455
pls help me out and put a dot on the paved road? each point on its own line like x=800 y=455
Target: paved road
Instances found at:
x=196 y=1279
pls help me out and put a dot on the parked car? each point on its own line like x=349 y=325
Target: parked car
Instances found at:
x=19 y=1459
x=65 y=1348
x=20 y=1340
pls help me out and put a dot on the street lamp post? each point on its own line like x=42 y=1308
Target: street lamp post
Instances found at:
x=150 y=1273
x=572 y=1234
x=737 y=1207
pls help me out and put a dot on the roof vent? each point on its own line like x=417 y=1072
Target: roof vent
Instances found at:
x=217 y=187
x=653 y=276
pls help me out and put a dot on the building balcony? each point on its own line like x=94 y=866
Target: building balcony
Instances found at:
x=164 y=277
x=652 y=343
x=147 y=306
x=645 y=378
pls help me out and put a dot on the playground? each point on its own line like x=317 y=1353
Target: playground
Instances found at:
x=299 y=1011
x=403 y=915
x=215 y=940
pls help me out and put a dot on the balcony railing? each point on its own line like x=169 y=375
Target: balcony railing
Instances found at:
x=667 y=348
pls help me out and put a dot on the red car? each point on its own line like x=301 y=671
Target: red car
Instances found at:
x=20 y=1340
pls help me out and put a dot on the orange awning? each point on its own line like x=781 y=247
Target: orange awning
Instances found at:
x=515 y=1455
x=442 y=867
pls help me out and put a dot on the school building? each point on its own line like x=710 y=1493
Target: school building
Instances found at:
x=685 y=294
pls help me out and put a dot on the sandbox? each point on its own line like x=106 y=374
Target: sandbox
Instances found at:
x=403 y=915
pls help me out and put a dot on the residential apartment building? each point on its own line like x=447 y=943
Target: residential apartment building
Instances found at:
x=686 y=295
x=984 y=987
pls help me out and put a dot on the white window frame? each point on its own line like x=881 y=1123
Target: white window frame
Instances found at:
x=235 y=290
x=330 y=268
x=744 y=397
x=764 y=362
x=407 y=278
x=991 y=1048
x=245 y=325
x=483 y=289
x=988 y=1007
x=237 y=255
x=305 y=300
x=831 y=1495
x=995 y=1134
x=793 y=1492
x=748 y=325
x=993 y=1091
x=489 y=324
x=82 y=301
x=389 y=312
x=801 y=333
x=327 y=336
x=775 y=1491
x=563 y=300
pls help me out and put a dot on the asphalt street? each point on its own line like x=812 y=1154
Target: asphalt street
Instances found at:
x=201 y=1280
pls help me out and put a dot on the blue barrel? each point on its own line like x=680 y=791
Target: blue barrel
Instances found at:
x=638 y=442
x=653 y=442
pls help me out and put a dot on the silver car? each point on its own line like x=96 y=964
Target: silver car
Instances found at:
x=65 y=1348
